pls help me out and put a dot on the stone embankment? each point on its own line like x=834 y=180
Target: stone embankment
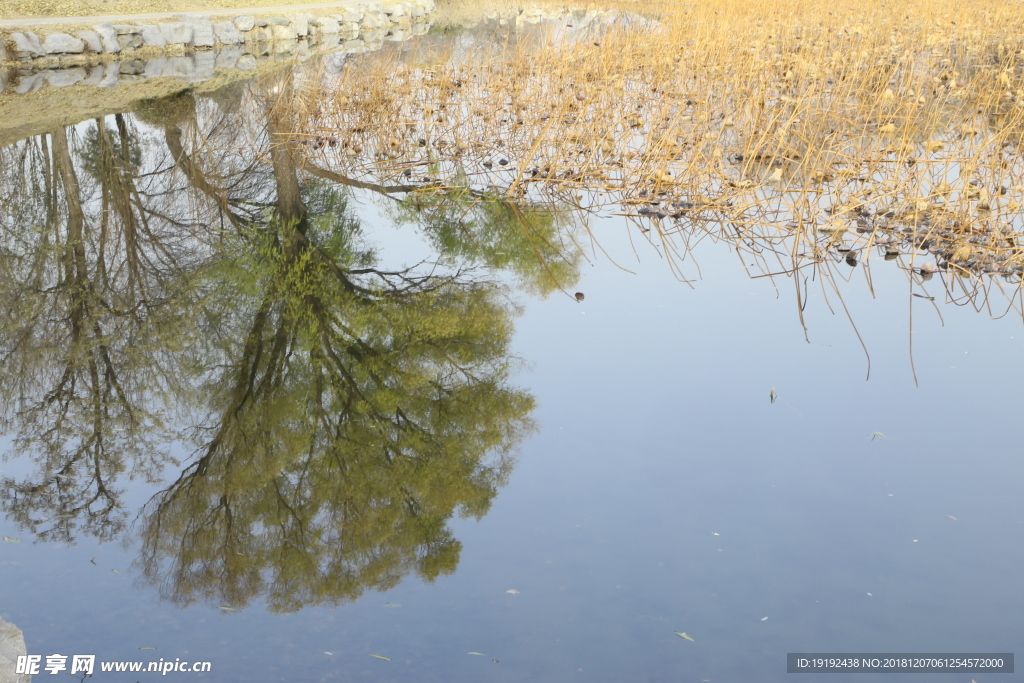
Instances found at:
x=192 y=46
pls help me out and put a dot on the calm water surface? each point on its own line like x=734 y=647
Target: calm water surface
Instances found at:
x=458 y=467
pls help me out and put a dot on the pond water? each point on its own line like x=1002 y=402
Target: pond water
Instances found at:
x=310 y=424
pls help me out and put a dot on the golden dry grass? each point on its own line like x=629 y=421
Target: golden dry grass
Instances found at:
x=804 y=133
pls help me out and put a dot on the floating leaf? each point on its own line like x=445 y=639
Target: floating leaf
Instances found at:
x=683 y=635
x=953 y=518
x=764 y=618
x=227 y=609
x=115 y=571
x=147 y=648
x=12 y=540
x=513 y=591
x=382 y=657
x=772 y=395
x=478 y=654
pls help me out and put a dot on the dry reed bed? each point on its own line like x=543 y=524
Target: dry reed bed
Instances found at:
x=801 y=134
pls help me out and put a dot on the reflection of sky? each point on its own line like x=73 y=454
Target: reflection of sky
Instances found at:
x=656 y=433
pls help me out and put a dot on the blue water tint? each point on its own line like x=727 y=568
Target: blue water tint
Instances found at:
x=663 y=493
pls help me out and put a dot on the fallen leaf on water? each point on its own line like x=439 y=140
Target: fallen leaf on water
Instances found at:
x=93 y=560
x=115 y=571
x=329 y=654
x=478 y=654
x=227 y=609
x=12 y=540
x=147 y=648
x=382 y=657
x=764 y=618
x=513 y=591
x=715 y=533
x=772 y=395
x=922 y=296
x=683 y=635
x=875 y=435
x=953 y=518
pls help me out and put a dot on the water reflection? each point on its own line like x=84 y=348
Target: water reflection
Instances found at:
x=846 y=150
x=165 y=291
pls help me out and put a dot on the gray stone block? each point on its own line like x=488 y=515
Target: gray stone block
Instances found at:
x=95 y=76
x=282 y=47
x=129 y=41
x=397 y=35
x=91 y=40
x=179 y=67
x=176 y=32
x=111 y=76
x=30 y=83
x=300 y=25
x=330 y=40
x=206 y=65
x=246 y=63
x=277 y=21
x=155 y=67
x=328 y=25
x=258 y=35
x=245 y=22
x=59 y=78
x=62 y=43
x=202 y=33
x=352 y=17
x=284 y=32
x=372 y=20
x=108 y=36
x=352 y=28
x=374 y=35
x=227 y=57
x=227 y=34
x=153 y=37
x=396 y=10
x=12 y=646
x=26 y=45
x=133 y=67
x=127 y=29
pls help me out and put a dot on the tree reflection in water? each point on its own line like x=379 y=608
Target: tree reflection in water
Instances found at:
x=163 y=286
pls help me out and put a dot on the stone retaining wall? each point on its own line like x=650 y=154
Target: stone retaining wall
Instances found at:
x=193 y=46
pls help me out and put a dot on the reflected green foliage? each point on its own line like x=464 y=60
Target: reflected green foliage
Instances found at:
x=192 y=298
x=530 y=241
x=356 y=411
